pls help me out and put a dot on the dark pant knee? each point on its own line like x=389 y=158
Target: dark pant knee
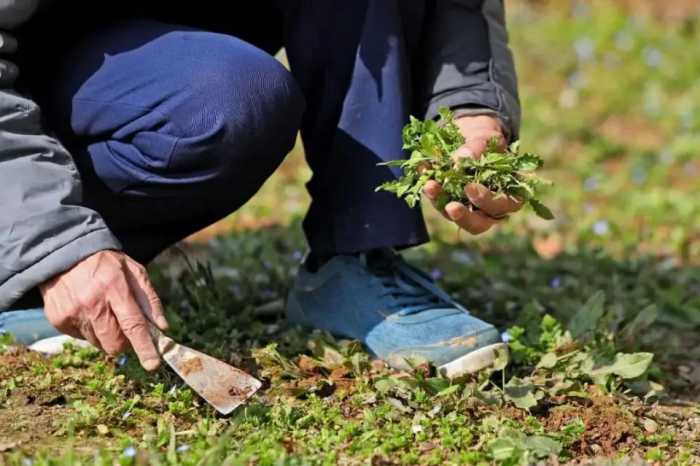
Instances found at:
x=164 y=108
x=240 y=114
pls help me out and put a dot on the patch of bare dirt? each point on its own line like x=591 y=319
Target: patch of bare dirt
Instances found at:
x=609 y=427
x=28 y=415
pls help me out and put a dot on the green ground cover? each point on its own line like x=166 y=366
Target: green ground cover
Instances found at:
x=603 y=302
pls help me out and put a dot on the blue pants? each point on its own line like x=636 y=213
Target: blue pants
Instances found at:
x=174 y=127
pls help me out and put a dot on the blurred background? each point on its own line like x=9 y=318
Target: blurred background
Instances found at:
x=610 y=91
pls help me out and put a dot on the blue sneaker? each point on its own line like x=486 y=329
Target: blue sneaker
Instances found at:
x=396 y=311
x=30 y=327
x=27 y=326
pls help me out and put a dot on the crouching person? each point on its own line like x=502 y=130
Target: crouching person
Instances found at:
x=169 y=120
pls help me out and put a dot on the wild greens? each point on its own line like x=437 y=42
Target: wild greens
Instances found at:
x=431 y=145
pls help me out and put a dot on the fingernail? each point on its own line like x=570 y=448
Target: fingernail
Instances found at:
x=474 y=190
x=151 y=364
x=455 y=212
x=162 y=323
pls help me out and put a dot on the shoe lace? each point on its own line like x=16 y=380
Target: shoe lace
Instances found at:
x=412 y=290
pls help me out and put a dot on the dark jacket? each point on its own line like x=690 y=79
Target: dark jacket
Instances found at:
x=45 y=229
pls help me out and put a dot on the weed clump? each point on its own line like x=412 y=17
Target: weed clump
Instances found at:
x=431 y=145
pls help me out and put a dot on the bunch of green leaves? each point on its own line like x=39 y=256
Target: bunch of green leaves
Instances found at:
x=431 y=145
x=555 y=361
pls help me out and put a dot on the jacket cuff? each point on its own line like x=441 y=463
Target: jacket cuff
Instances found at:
x=486 y=99
x=475 y=111
x=54 y=263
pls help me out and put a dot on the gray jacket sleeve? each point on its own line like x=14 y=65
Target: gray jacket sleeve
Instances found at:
x=469 y=64
x=44 y=230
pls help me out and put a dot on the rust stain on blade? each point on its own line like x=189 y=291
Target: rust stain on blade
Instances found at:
x=230 y=391
x=220 y=384
x=238 y=391
x=191 y=365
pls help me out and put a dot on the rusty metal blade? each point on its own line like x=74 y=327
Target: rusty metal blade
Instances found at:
x=221 y=385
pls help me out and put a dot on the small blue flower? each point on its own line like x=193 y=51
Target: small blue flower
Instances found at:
x=298 y=255
x=27 y=462
x=584 y=48
x=653 y=57
x=591 y=183
x=436 y=274
x=129 y=452
x=601 y=227
x=126 y=415
x=183 y=448
x=555 y=282
x=122 y=360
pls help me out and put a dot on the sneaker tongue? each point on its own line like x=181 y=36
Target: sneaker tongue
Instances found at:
x=411 y=285
x=383 y=262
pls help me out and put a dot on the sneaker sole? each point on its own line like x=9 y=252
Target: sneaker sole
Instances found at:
x=473 y=362
x=468 y=364
x=54 y=345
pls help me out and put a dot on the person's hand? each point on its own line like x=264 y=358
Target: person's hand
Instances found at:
x=477 y=130
x=103 y=299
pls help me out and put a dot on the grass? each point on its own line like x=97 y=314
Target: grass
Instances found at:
x=612 y=102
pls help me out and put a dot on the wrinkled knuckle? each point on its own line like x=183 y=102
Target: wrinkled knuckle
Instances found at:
x=133 y=326
x=155 y=301
x=89 y=298
x=113 y=280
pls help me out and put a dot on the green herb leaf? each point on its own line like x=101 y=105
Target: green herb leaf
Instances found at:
x=586 y=319
x=541 y=210
x=520 y=393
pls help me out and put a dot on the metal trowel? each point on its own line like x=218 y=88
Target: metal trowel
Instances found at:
x=221 y=385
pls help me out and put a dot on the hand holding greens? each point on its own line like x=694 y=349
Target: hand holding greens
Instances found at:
x=431 y=145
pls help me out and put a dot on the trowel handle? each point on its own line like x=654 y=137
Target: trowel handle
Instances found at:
x=162 y=341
